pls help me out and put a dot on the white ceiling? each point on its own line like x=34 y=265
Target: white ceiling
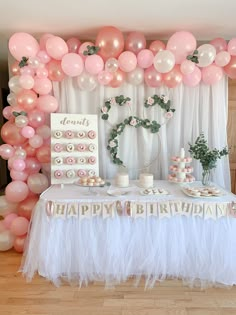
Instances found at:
x=206 y=19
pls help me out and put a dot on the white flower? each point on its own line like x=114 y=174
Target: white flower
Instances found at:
x=104 y=109
x=128 y=103
x=133 y=122
x=112 y=144
x=168 y=115
x=150 y=101
x=165 y=99
x=112 y=101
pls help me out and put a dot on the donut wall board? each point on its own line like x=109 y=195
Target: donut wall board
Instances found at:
x=74 y=147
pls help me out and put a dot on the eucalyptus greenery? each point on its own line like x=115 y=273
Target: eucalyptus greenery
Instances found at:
x=162 y=101
x=120 y=100
x=23 y=62
x=208 y=158
x=91 y=50
x=132 y=121
x=22 y=113
x=193 y=57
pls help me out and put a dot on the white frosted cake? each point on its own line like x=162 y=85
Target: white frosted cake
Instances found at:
x=122 y=180
x=146 y=180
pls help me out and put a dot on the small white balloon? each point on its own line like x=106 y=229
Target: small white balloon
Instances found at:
x=14 y=84
x=164 y=61
x=136 y=76
x=6 y=240
x=87 y=82
x=206 y=55
x=222 y=58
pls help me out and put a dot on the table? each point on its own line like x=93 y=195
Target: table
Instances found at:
x=84 y=236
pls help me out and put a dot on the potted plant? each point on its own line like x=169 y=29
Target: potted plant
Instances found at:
x=208 y=158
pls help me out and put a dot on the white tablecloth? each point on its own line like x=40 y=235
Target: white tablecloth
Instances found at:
x=200 y=251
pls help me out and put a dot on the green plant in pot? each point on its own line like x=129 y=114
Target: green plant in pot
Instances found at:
x=208 y=158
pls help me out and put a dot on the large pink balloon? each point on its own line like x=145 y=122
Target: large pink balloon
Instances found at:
x=43 y=56
x=36 y=118
x=19 y=175
x=181 y=44
x=230 y=68
x=73 y=44
x=23 y=45
x=152 y=77
x=232 y=46
x=43 y=40
x=127 y=61
x=110 y=40
x=26 y=81
x=32 y=165
x=42 y=86
x=27 y=99
x=193 y=79
x=118 y=79
x=55 y=72
x=156 y=46
x=219 y=43
x=19 y=226
x=16 y=191
x=26 y=206
x=94 y=64
x=56 y=47
x=8 y=219
x=145 y=58
x=37 y=183
x=47 y=103
x=173 y=78
x=72 y=64
x=10 y=134
x=187 y=66
x=43 y=154
x=135 y=42
x=211 y=74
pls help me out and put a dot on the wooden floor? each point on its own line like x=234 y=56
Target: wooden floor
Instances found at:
x=167 y=298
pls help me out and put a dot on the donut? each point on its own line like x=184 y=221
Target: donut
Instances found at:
x=58 y=174
x=82 y=173
x=58 y=161
x=70 y=174
x=92 y=160
x=69 y=134
x=92 y=134
x=81 y=147
x=57 y=134
x=81 y=134
x=70 y=147
x=58 y=147
x=70 y=160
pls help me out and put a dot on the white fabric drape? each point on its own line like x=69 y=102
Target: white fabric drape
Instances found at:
x=200 y=109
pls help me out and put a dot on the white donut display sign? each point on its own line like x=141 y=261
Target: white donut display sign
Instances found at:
x=74 y=147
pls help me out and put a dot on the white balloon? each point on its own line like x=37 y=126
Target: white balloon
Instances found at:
x=206 y=55
x=164 y=61
x=6 y=206
x=136 y=76
x=222 y=58
x=14 y=84
x=6 y=240
x=87 y=82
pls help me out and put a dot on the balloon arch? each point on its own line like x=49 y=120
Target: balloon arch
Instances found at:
x=109 y=61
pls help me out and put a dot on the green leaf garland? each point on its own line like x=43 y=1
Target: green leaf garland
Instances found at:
x=120 y=100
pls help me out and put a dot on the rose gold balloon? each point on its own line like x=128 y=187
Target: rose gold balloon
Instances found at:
x=156 y=46
x=173 y=78
x=15 y=69
x=135 y=42
x=110 y=40
x=152 y=77
x=55 y=72
x=118 y=79
x=26 y=206
x=30 y=152
x=43 y=154
x=10 y=134
x=27 y=99
x=230 y=68
x=19 y=243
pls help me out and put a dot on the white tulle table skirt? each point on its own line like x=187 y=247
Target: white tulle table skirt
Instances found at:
x=198 y=251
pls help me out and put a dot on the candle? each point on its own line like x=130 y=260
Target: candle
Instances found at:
x=182 y=153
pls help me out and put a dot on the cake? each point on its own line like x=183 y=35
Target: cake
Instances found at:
x=122 y=180
x=146 y=180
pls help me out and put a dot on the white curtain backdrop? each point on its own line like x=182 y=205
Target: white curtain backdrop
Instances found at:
x=200 y=109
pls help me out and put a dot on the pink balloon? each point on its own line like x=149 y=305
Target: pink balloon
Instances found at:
x=7 y=112
x=110 y=40
x=232 y=46
x=56 y=47
x=2 y=227
x=42 y=72
x=43 y=56
x=187 y=66
x=19 y=243
x=230 y=68
x=6 y=151
x=43 y=154
x=211 y=74
x=16 y=191
x=127 y=61
x=23 y=45
x=84 y=47
x=73 y=44
x=43 y=40
x=27 y=132
x=30 y=152
x=26 y=81
x=20 y=153
x=36 y=118
x=193 y=78
x=8 y=220
x=72 y=64
x=135 y=42
x=105 y=77
x=18 y=165
x=27 y=70
x=15 y=69
x=173 y=78
x=32 y=165
x=220 y=44
x=94 y=64
x=118 y=79
x=145 y=58
x=37 y=183
x=42 y=86
x=181 y=44
x=10 y=134
x=222 y=58
x=19 y=175
x=36 y=141
x=26 y=207
x=55 y=72
x=19 y=226
x=47 y=103
x=27 y=99
x=152 y=77
x=44 y=131
x=156 y=46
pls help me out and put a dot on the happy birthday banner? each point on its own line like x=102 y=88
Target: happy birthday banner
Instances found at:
x=167 y=209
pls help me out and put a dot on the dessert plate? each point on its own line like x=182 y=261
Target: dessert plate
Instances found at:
x=154 y=192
